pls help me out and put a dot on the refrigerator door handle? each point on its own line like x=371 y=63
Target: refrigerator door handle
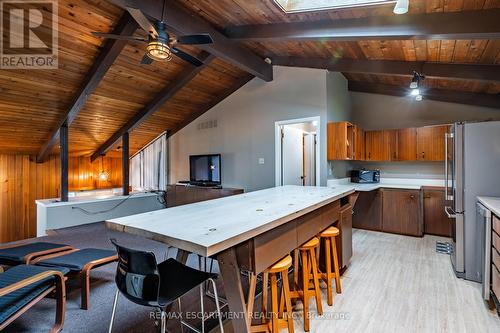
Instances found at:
x=449 y=212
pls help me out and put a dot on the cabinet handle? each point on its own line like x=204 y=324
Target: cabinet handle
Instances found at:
x=423 y=155
x=412 y=196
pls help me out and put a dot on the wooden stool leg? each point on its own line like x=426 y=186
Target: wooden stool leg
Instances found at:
x=274 y=303
x=336 y=266
x=305 y=289
x=264 y=297
x=329 y=276
x=314 y=267
x=286 y=295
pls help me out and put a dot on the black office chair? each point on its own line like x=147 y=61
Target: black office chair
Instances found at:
x=140 y=279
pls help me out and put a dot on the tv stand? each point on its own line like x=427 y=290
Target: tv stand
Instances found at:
x=184 y=193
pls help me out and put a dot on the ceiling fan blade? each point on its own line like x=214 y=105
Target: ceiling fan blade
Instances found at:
x=195 y=39
x=143 y=21
x=186 y=57
x=146 y=60
x=113 y=36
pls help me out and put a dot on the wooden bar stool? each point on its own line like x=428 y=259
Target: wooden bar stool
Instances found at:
x=279 y=318
x=329 y=236
x=309 y=271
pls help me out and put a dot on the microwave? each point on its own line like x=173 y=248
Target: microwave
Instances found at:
x=365 y=176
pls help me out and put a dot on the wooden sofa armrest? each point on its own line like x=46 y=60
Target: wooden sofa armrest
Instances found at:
x=28 y=281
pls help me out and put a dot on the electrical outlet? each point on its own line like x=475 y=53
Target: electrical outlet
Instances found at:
x=261 y=160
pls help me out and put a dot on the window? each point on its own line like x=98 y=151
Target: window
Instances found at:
x=149 y=166
x=294 y=6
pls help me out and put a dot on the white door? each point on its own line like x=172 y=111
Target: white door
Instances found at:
x=292 y=160
x=309 y=159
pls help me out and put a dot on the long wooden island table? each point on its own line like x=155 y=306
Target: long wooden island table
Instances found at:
x=249 y=231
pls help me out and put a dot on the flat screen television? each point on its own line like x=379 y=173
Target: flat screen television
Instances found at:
x=205 y=169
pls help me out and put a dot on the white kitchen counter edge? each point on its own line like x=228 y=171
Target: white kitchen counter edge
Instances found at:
x=492 y=203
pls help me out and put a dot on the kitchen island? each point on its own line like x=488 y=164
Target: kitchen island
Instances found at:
x=249 y=231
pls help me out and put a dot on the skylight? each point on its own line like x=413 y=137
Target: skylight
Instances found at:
x=294 y=6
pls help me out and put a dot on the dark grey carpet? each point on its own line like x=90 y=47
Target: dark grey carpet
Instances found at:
x=129 y=317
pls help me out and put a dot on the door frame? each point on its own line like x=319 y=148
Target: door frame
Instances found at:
x=277 y=146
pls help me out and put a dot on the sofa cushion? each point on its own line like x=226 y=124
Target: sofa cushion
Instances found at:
x=16 y=300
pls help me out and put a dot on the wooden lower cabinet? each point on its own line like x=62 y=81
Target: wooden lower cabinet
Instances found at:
x=436 y=222
x=368 y=211
x=401 y=212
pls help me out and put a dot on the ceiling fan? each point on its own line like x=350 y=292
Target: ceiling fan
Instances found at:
x=160 y=45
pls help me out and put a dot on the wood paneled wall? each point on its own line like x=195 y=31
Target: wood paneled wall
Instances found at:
x=22 y=181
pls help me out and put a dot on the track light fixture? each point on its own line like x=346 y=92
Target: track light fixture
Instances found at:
x=401 y=7
x=415 y=85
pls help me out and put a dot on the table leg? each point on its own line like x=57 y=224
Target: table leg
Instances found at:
x=231 y=278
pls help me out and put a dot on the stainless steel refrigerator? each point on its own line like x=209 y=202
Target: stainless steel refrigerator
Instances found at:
x=472 y=165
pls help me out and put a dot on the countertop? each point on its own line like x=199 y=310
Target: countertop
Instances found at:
x=397 y=183
x=218 y=224
x=492 y=203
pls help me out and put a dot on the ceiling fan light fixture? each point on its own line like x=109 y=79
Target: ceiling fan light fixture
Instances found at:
x=159 y=50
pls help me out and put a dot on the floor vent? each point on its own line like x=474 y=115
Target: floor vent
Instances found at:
x=443 y=247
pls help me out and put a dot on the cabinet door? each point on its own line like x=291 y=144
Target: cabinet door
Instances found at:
x=435 y=220
x=380 y=145
x=374 y=145
x=368 y=211
x=401 y=212
x=430 y=143
x=390 y=145
x=337 y=141
x=407 y=144
x=359 y=150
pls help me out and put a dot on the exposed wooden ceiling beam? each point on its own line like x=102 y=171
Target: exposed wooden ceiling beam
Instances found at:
x=184 y=23
x=222 y=96
x=480 y=24
x=158 y=101
x=112 y=47
x=429 y=69
x=452 y=96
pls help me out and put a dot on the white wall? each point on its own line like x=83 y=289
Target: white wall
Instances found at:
x=245 y=126
x=373 y=111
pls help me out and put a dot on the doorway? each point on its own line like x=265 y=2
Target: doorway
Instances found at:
x=297 y=152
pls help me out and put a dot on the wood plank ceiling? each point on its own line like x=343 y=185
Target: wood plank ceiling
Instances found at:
x=32 y=102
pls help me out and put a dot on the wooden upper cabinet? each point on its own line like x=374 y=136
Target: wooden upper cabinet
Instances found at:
x=350 y=142
x=430 y=143
x=407 y=144
x=380 y=145
x=341 y=137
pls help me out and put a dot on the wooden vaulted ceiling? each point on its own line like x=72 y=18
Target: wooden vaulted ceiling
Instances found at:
x=33 y=102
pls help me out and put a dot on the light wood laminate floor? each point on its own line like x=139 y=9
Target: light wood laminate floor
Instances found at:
x=400 y=284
